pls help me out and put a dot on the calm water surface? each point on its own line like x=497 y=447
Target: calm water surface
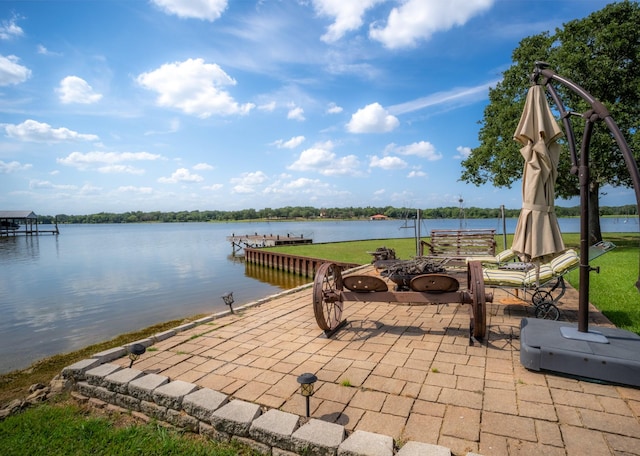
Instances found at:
x=94 y=282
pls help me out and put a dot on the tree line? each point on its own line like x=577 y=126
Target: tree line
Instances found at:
x=311 y=213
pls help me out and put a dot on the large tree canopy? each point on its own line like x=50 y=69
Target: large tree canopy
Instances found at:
x=601 y=53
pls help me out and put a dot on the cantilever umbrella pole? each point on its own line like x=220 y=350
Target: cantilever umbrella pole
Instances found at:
x=599 y=112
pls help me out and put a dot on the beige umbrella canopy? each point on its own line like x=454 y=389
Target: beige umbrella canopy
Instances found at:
x=537 y=232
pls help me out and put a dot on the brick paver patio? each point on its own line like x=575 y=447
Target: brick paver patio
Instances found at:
x=407 y=372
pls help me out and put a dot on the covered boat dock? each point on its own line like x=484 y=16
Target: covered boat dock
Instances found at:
x=14 y=223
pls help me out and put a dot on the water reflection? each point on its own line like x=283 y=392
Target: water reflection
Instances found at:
x=275 y=277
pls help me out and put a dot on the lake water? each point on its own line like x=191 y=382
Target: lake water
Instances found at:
x=94 y=282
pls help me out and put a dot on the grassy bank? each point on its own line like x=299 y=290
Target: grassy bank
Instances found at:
x=15 y=385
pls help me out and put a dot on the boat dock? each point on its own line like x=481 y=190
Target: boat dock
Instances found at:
x=241 y=241
x=15 y=223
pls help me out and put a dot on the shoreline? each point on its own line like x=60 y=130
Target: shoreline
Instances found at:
x=15 y=384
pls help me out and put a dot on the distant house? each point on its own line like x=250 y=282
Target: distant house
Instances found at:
x=378 y=217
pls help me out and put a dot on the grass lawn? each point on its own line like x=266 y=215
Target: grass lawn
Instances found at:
x=68 y=428
x=612 y=291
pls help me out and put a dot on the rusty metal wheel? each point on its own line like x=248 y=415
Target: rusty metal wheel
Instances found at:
x=479 y=304
x=327 y=298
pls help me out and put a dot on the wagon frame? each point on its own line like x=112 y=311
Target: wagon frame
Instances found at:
x=329 y=295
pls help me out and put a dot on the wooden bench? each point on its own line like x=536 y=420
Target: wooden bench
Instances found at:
x=458 y=245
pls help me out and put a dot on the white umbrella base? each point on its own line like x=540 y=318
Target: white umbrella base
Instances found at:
x=606 y=354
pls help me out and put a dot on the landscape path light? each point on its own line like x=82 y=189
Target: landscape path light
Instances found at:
x=306 y=381
x=228 y=299
x=135 y=351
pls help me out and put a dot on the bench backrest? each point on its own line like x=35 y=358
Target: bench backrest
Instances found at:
x=462 y=243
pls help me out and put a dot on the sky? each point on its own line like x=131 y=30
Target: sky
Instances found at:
x=171 y=105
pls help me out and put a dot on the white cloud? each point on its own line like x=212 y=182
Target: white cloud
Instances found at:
x=248 y=182
x=387 y=162
x=11 y=72
x=32 y=130
x=209 y=10
x=347 y=14
x=195 y=87
x=12 y=167
x=9 y=29
x=181 y=175
x=290 y=144
x=463 y=152
x=323 y=160
x=269 y=107
x=296 y=113
x=458 y=96
x=76 y=90
x=213 y=187
x=107 y=162
x=36 y=184
x=417 y=20
x=416 y=173
x=373 y=118
x=334 y=108
x=203 y=167
x=423 y=149
x=42 y=50
x=134 y=189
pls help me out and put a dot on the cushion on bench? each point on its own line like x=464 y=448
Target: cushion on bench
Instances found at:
x=503 y=277
x=502 y=257
x=568 y=260
x=534 y=276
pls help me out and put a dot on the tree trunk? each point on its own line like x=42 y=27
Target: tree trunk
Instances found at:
x=595 y=233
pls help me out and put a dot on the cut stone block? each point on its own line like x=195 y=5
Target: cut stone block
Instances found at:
x=235 y=417
x=142 y=388
x=202 y=403
x=119 y=381
x=110 y=355
x=318 y=438
x=275 y=429
x=96 y=375
x=77 y=370
x=171 y=394
x=362 y=443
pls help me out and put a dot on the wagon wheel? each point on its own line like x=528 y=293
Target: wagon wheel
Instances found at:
x=547 y=311
x=541 y=296
x=479 y=303
x=327 y=299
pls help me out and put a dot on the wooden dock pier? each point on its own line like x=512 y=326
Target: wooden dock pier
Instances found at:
x=240 y=242
x=304 y=266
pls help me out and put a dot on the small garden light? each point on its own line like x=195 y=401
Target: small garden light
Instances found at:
x=135 y=351
x=306 y=381
x=228 y=299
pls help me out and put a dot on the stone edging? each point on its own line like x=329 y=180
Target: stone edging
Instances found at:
x=216 y=415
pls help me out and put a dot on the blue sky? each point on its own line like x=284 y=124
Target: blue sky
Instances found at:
x=123 y=105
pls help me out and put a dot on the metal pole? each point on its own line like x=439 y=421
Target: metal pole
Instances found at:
x=418 y=234
x=584 y=178
x=504 y=228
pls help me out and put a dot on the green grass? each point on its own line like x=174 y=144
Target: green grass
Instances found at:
x=68 y=429
x=612 y=291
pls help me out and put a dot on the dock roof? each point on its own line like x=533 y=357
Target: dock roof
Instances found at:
x=17 y=215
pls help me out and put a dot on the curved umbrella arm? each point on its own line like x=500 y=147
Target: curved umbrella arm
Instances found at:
x=598 y=112
x=603 y=114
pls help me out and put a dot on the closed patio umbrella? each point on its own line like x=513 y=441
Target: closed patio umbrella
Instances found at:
x=537 y=233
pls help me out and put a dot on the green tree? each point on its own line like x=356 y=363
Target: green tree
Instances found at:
x=601 y=53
